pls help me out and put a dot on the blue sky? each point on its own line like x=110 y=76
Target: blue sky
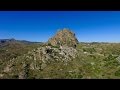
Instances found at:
x=89 y=26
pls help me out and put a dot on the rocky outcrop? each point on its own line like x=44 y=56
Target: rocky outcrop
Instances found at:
x=61 y=50
x=39 y=58
x=64 y=38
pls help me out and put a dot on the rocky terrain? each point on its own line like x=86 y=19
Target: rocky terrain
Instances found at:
x=50 y=52
x=62 y=57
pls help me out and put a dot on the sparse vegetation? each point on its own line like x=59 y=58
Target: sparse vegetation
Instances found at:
x=95 y=63
x=45 y=61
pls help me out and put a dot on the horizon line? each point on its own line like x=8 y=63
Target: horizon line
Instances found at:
x=79 y=41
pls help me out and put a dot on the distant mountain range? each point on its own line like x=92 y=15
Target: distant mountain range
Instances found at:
x=2 y=41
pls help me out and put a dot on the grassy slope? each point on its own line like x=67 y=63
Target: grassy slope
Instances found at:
x=93 y=61
x=14 y=50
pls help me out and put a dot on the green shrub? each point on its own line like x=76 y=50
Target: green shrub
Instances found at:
x=49 y=44
x=117 y=73
x=55 y=46
x=90 y=50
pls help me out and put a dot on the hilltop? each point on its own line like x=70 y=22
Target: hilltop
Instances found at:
x=64 y=37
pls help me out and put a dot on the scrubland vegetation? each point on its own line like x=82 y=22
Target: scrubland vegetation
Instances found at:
x=93 y=61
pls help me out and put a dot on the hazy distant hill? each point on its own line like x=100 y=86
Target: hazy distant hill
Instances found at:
x=2 y=41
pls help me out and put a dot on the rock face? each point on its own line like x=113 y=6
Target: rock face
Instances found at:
x=64 y=38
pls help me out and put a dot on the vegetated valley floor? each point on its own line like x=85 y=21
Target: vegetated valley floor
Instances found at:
x=94 y=61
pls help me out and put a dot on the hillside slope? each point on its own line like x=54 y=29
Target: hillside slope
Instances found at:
x=60 y=61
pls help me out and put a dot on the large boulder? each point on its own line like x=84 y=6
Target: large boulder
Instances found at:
x=64 y=37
